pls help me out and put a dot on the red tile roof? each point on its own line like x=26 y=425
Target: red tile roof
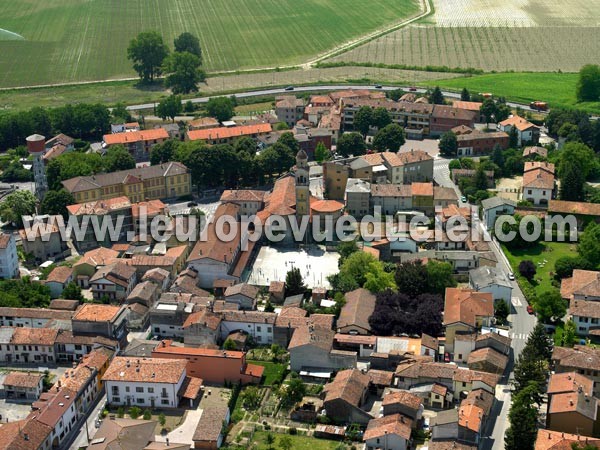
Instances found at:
x=465 y=305
x=96 y=313
x=518 y=122
x=578 y=208
x=155 y=370
x=228 y=132
x=60 y=274
x=23 y=379
x=557 y=440
x=136 y=136
x=396 y=424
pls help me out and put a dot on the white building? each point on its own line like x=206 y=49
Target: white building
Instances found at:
x=388 y=432
x=9 y=261
x=492 y=280
x=495 y=207
x=527 y=133
x=538 y=186
x=586 y=315
x=150 y=382
x=257 y=324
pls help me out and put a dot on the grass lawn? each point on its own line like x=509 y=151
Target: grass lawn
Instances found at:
x=273 y=371
x=254 y=108
x=558 y=89
x=73 y=40
x=548 y=251
x=298 y=442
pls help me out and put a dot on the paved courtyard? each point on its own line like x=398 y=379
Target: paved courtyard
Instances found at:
x=273 y=263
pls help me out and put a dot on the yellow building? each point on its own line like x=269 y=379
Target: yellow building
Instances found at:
x=168 y=180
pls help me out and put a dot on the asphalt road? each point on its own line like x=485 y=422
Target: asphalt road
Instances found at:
x=265 y=92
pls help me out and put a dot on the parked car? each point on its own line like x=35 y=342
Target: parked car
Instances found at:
x=191 y=204
x=511 y=276
x=412 y=89
x=530 y=309
x=463 y=199
x=378 y=86
x=289 y=88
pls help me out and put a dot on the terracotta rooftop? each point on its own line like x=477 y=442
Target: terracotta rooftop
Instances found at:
x=243 y=195
x=583 y=308
x=99 y=207
x=532 y=165
x=96 y=313
x=422 y=189
x=490 y=356
x=395 y=424
x=244 y=289
x=119 y=272
x=474 y=409
x=100 y=256
x=359 y=306
x=23 y=379
x=448 y=112
x=4 y=240
x=391 y=190
x=465 y=305
x=557 y=440
x=34 y=336
x=129 y=137
x=403 y=398
x=326 y=206
x=381 y=377
x=574 y=402
x=528 y=151
x=35 y=313
x=577 y=208
x=584 y=283
x=471 y=106
x=151 y=207
x=210 y=425
x=569 y=382
x=60 y=274
x=413 y=156
x=518 y=122
x=12 y=435
x=538 y=179
x=155 y=370
x=191 y=388
x=310 y=335
x=348 y=385
x=281 y=200
x=228 y=132
x=578 y=357
x=450 y=445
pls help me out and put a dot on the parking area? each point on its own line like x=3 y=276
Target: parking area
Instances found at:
x=315 y=264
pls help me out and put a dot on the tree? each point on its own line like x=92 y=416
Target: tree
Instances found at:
x=290 y=142
x=169 y=107
x=588 y=85
x=221 y=108
x=440 y=275
x=351 y=144
x=147 y=414
x=501 y=312
x=135 y=412
x=564 y=266
x=521 y=434
x=187 y=42
x=229 y=345
x=294 y=391
x=163 y=152
x=321 y=153
x=589 y=244
x=436 y=97
x=16 y=205
x=183 y=72
x=121 y=412
x=569 y=337
x=480 y=181
x=465 y=96
x=391 y=137
x=294 y=284
x=250 y=397
x=162 y=419
x=412 y=278
x=488 y=110
x=377 y=279
x=56 y=202
x=269 y=307
x=448 y=144
x=345 y=249
x=120 y=113
x=549 y=305
x=572 y=181
x=285 y=443
x=381 y=117
x=498 y=158
x=270 y=440
x=363 y=119
x=147 y=51
x=538 y=345
x=118 y=158
x=72 y=292
x=527 y=269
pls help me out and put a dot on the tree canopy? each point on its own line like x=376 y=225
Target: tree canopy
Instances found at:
x=221 y=108
x=183 y=72
x=169 y=107
x=147 y=51
x=588 y=85
x=118 y=158
x=448 y=144
x=187 y=42
x=56 y=202
x=351 y=144
x=17 y=204
x=391 y=137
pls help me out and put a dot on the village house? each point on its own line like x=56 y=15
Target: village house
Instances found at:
x=354 y=316
x=149 y=382
x=30 y=345
x=130 y=434
x=388 y=432
x=168 y=315
x=42 y=239
x=114 y=282
x=581 y=359
x=210 y=432
x=91 y=262
x=527 y=133
x=494 y=207
x=535 y=152
x=492 y=280
x=242 y=294
x=162 y=181
x=584 y=212
x=539 y=184
x=480 y=143
x=345 y=396
x=250 y=201
x=139 y=143
x=23 y=385
x=289 y=109
x=311 y=352
x=552 y=440
x=31 y=317
x=58 y=279
x=465 y=311
x=582 y=291
x=202 y=328
x=212 y=365
x=257 y=324
x=101 y=320
x=9 y=261
x=402 y=402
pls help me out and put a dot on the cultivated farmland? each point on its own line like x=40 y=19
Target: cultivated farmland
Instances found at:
x=484 y=34
x=75 y=40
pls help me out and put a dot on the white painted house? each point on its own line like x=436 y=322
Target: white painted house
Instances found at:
x=495 y=207
x=493 y=280
x=389 y=432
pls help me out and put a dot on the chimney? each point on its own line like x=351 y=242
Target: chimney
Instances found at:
x=26 y=436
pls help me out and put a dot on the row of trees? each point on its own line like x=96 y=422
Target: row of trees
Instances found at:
x=151 y=58
x=531 y=371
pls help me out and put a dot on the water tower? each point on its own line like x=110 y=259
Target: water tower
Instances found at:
x=36 y=144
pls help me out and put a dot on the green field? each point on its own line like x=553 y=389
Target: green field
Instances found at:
x=548 y=251
x=298 y=442
x=558 y=89
x=273 y=371
x=74 y=40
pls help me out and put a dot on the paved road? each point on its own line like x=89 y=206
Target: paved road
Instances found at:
x=81 y=439
x=522 y=324
x=333 y=87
